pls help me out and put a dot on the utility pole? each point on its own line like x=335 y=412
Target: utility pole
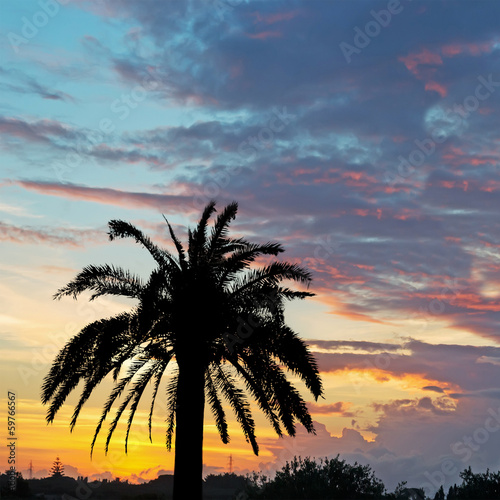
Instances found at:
x=230 y=464
x=31 y=469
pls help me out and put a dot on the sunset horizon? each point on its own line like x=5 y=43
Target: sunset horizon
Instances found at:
x=361 y=137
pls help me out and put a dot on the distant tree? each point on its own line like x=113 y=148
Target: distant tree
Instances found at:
x=57 y=469
x=440 y=495
x=22 y=489
x=308 y=479
x=452 y=493
x=403 y=493
x=211 y=314
x=398 y=492
x=227 y=482
x=481 y=486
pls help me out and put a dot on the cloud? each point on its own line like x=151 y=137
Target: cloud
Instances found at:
x=423 y=58
x=474 y=48
x=77 y=144
x=22 y=83
x=26 y=235
x=409 y=408
x=110 y=196
x=40 y=131
x=414 y=441
x=101 y=476
x=211 y=469
x=317 y=445
x=454 y=367
x=433 y=388
x=162 y=472
x=17 y=210
x=437 y=87
x=264 y=35
x=339 y=408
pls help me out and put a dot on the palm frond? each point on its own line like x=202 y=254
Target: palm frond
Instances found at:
x=134 y=367
x=154 y=303
x=239 y=403
x=294 y=354
x=178 y=246
x=217 y=409
x=262 y=395
x=103 y=280
x=290 y=294
x=198 y=239
x=171 y=407
x=230 y=245
x=90 y=355
x=122 y=229
x=134 y=395
x=242 y=257
x=154 y=371
x=156 y=386
x=220 y=229
x=271 y=275
x=286 y=399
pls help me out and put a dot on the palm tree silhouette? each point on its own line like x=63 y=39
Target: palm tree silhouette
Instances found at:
x=210 y=316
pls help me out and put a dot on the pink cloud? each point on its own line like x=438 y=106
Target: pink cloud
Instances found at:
x=473 y=49
x=320 y=444
x=477 y=48
x=52 y=236
x=424 y=57
x=109 y=196
x=38 y=131
x=276 y=17
x=452 y=50
x=339 y=408
x=264 y=35
x=437 y=87
x=399 y=138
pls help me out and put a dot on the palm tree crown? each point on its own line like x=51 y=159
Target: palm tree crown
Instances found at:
x=209 y=319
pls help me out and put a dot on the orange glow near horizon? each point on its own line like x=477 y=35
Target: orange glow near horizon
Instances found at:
x=41 y=443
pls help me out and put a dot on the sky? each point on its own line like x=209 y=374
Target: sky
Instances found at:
x=363 y=136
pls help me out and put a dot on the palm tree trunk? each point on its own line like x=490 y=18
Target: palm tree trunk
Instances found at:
x=188 y=468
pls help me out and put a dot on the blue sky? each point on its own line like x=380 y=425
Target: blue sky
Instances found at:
x=361 y=135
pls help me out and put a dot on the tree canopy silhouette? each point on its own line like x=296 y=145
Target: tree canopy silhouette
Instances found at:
x=57 y=469
x=213 y=318
x=309 y=479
